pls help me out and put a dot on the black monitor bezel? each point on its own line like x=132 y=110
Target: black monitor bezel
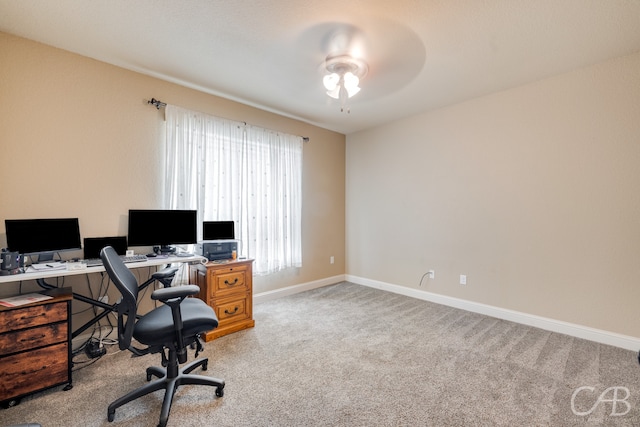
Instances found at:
x=45 y=235
x=211 y=230
x=154 y=231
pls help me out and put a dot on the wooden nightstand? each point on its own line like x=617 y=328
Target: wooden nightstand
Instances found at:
x=35 y=346
x=228 y=288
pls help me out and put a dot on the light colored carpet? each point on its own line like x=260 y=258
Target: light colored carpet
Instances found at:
x=348 y=355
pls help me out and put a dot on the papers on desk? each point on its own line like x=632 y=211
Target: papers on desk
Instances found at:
x=23 y=299
x=49 y=266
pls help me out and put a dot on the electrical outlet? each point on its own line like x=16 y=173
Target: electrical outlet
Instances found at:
x=104 y=299
x=432 y=274
x=463 y=279
x=331 y=260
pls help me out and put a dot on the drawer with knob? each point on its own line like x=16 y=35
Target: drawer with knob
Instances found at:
x=227 y=281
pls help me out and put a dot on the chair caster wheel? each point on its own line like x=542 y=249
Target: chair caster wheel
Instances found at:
x=219 y=392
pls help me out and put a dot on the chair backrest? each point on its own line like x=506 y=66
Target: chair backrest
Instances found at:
x=127 y=284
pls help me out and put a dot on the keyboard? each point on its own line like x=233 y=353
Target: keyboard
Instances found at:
x=96 y=262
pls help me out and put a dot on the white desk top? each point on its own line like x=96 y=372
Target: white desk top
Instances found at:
x=151 y=262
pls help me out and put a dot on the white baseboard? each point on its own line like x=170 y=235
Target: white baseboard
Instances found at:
x=290 y=290
x=578 y=331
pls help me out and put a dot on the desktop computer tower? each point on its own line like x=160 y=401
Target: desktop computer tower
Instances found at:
x=215 y=250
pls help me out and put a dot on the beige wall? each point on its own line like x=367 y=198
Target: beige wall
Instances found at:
x=79 y=140
x=531 y=192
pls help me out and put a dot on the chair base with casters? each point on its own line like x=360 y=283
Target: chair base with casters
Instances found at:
x=169 y=329
x=169 y=379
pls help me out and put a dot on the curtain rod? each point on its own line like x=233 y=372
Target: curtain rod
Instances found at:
x=159 y=104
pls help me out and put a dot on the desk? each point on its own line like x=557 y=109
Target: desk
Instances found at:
x=40 y=277
x=48 y=274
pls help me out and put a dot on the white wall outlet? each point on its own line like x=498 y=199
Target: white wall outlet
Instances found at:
x=331 y=260
x=432 y=274
x=463 y=279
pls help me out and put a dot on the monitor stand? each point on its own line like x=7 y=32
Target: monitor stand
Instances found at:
x=164 y=250
x=45 y=257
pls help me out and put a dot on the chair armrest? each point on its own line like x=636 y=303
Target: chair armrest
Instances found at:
x=165 y=294
x=165 y=273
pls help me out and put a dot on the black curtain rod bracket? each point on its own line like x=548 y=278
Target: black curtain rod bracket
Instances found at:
x=157 y=103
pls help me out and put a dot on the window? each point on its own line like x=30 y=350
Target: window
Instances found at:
x=227 y=170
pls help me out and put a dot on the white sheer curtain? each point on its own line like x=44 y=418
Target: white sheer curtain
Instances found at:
x=229 y=171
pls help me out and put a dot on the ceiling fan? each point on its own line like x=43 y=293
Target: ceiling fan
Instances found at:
x=371 y=58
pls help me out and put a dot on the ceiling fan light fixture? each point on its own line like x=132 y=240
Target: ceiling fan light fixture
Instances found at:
x=331 y=81
x=335 y=92
x=344 y=75
x=351 y=82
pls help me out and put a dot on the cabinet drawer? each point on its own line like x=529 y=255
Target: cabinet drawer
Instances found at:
x=25 y=373
x=232 y=310
x=230 y=281
x=28 y=317
x=26 y=339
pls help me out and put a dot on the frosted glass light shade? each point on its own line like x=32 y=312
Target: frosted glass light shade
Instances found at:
x=333 y=83
x=351 y=82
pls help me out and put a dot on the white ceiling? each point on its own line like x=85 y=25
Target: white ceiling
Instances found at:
x=422 y=54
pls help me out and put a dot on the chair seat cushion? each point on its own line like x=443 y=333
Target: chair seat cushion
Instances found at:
x=156 y=327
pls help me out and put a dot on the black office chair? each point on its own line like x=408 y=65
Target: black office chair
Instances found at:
x=174 y=326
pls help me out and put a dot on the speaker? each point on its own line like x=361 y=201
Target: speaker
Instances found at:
x=219 y=249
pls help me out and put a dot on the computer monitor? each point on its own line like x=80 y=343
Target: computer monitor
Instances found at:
x=42 y=237
x=93 y=245
x=218 y=230
x=162 y=228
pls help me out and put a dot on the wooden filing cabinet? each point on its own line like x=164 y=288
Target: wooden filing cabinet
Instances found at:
x=228 y=288
x=35 y=346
